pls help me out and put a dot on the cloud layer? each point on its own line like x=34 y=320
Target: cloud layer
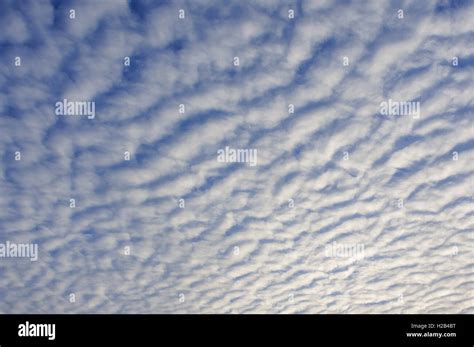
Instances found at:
x=210 y=237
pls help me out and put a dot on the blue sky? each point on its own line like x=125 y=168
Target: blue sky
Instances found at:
x=243 y=239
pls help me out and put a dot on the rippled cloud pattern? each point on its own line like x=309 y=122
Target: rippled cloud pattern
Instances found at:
x=241 y=157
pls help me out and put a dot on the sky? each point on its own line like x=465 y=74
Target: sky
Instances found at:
x=323 y=203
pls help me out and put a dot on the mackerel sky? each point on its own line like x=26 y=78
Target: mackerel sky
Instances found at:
x=346 y=210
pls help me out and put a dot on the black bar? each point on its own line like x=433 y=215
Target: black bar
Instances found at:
x=134 y=330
